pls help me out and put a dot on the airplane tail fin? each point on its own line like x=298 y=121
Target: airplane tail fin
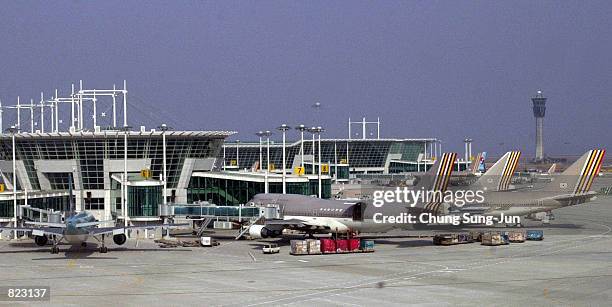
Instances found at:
x=475 y=166
x=499 y=176
x=436 y=180
x=578 y=177
x=438 y=175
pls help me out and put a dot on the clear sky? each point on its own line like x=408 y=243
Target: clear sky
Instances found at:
x=447 y=69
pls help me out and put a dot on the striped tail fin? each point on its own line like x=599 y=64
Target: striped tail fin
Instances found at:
x=437 y=178
x=475 y=166
x=590 y=170
x=578 y=177
x=499 y=176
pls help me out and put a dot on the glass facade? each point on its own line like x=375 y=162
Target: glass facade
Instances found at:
x=361 y=153
x=144 y=200
x=57 y=203
x=232 y=192
x=91 y=151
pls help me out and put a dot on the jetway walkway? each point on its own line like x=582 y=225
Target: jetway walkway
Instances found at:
x=202 y=214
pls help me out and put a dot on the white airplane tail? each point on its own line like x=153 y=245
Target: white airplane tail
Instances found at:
x=578 y=178
x=499 y=176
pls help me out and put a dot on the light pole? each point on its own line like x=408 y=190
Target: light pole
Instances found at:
x=267 y=134
x=319 y=131
x=164 y=128
x=125 y=130
x=313 y=130
x=301 y=129
x=260 y=134
x=284 y=128
x=12 y=131
x=238 y=154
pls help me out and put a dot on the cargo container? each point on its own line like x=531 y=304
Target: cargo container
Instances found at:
x=342 y=246
x=492 y=239
x=328 y=246
x=505 y=238
x=535 y=235
x=366 y=246
x=314 y=246
x=299 y=247
x=516 y=236
x=465 y=238
x=476 y=235
x=452 y=238
x=353 y=244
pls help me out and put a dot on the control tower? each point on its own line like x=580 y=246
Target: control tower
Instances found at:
x=539 y=109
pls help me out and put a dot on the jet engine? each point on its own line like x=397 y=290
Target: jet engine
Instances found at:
x=119 y=239
x=41 y=240
x=260 y=231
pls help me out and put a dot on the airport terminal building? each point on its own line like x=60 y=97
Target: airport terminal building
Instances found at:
x=346 y=158
x=93 y=162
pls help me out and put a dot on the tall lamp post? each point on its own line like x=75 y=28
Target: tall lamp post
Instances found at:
x=317 y=131
x=12 y=130
x=126 y=130
x=260 y=134
x=313 y=130
x=238 y=154
x=267 y=134
x=284 y=128
x=164 y=128
x=301 y=129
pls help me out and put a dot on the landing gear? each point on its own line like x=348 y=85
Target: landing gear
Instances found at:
x=84 y=244
x=54 y=249
x=103 y=249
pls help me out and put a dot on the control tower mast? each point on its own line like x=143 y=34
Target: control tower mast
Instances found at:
x=539 y=110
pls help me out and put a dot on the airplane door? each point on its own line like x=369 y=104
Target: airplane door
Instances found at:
x=358 y=211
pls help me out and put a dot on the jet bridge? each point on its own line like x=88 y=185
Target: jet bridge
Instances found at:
x=203 y=213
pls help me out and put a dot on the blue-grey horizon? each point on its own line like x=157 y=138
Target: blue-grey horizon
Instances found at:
x=428 y=69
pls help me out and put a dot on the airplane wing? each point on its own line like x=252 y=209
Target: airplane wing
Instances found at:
x=297 y=223
x=37 y=231
x=120 y=230
x=572 y=197
x=45 y=224
x=92 y=223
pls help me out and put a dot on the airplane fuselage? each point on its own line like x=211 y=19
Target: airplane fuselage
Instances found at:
x=78 y=235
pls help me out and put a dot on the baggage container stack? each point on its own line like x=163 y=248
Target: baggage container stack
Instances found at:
x=476 y=236
x=505 y=238
x=328 y=246
x=516 y=236
x=342 y=246
x=492 y=239
x=314 y=246
x=299 y=247
x=366 y=246
x=331 y=246
x=452 y=238
x=535 y=235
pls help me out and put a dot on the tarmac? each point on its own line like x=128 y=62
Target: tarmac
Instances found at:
x=571 y=266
